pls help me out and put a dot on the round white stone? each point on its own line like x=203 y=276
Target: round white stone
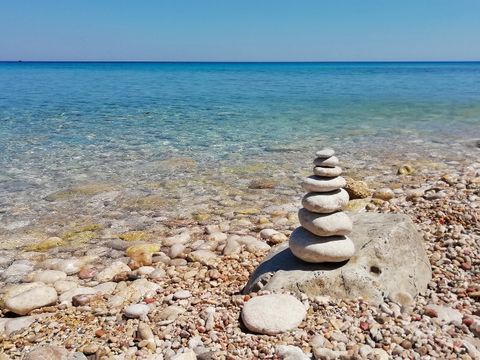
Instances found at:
x=323 y=184
x=332 y=161
x=182 y=294
x=325 y=153
x=337 y=223
x=273 y=314
x=136 y=311
x=327 y=171
x=326 y=202
x=311 y=248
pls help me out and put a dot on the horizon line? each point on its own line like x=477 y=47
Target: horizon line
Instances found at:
x=240 y=61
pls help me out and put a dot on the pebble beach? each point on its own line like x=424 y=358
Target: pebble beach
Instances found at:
x=178 y=295
x=147 y=257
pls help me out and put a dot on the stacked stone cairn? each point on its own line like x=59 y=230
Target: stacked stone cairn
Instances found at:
x=322 y=236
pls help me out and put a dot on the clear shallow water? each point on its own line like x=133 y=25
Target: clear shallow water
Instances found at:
x=131 y=125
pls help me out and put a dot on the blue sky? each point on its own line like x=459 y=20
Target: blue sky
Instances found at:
x=242 y=30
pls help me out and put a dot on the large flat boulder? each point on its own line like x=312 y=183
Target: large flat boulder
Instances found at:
x=389 y=260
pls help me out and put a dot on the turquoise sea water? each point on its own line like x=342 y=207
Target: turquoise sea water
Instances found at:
x=64 y=124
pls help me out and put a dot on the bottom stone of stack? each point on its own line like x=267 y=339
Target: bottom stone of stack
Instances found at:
x=314 y=249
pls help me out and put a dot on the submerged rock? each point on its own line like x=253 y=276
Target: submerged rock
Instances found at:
x=390 y=258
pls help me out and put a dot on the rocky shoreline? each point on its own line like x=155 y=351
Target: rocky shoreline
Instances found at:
x=173 y=291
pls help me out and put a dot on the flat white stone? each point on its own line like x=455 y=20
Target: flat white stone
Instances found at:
x=273 y=314
x=66 y=297
x=182 y=294
x=337 y=223
x=29 y=300
x=48 y=276
x=325 y=153
x=136 y=311
x=311 y=248
x=323 y=184
x=110 y=271
x=332 y=161
x=325 y=202
x=63 y=286
x=17 y=324
x=327 y=171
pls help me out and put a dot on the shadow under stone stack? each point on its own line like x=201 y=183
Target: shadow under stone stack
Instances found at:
x=323 y=234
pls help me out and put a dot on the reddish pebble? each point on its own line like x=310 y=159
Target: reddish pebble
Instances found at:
x=201 y=329
x=149 y=300
x=364 y=325
x=430 y=312
x=467 y=321
x=100 y=333
x=466 y=266
x=81 y=299
x=246 y=298
x=87 y=273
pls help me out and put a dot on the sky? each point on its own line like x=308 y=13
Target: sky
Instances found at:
x=240 y=30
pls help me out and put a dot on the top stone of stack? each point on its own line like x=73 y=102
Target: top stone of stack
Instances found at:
x=322 y=236
x=325 y=153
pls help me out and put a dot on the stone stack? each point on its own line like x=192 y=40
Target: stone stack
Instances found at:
x=322 y=236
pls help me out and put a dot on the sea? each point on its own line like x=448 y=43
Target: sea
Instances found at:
x=117 y=142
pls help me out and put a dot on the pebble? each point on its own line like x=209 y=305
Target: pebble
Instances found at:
x=63 y=286
x=66 y=297
x=18 y=324
x=170 y=314
x=176 y=250
x=70 y=266
x=289 y=352
x=444 y=314
x=136 y=311
x=252 y=244
x=105 y=288
x=110 y=271
x=81 y=300
x=327 y=171
x=185 y=354
x=385 y=194
x=157 y=274
x=322 y=184
x=47 y=352
x=314 y=249
x=327 y=202
x=182 y=238
x=232 y=247
x=325 y=153
x=16 y=271
x=332 y=161
x=182 y=294
x=217 y=236
x=87 y=273
x=273 y=314
x=48 y=276
x=337 y=223
x=328 y=354
x=205 y=257
x=145 y=333
x=357 y=189
x=31 y=299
